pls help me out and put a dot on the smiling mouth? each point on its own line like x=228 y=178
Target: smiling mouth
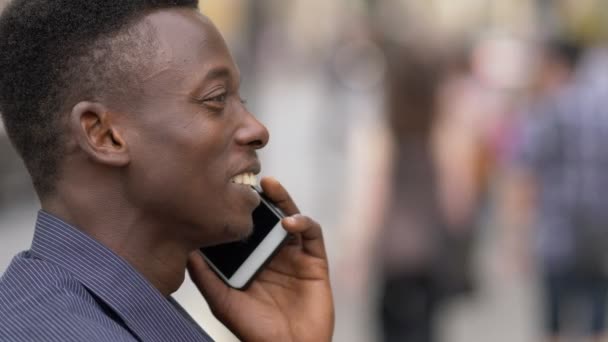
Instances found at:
x=247 y=178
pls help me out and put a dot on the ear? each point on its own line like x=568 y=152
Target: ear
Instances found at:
x=98 y=135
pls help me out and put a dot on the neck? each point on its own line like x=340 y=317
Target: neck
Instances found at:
x=141 y=240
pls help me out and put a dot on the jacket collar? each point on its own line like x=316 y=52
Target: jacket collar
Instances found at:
x=145 y=311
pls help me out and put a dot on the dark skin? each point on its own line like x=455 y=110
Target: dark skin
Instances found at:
x=151 y=180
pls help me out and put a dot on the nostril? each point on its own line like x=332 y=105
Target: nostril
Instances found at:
x=257 y=143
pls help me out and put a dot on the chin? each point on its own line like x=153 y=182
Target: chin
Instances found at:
x=236 y=232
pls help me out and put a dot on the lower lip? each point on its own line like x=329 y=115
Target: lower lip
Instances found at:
x=248 y=191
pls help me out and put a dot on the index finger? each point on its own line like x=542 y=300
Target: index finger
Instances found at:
x=279 y=196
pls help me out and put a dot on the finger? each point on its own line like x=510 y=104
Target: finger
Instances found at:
x=294 y=240
x=310 y=234
x=208 y=283
x=279 y=196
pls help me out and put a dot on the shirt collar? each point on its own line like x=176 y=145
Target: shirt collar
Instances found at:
x=150 y=315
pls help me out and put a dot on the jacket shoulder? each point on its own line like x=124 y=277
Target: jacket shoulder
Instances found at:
x=40 y=301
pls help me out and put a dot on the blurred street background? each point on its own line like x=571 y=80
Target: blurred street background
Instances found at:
x=402 y=127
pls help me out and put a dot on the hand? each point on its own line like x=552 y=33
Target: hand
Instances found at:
x=291 y=299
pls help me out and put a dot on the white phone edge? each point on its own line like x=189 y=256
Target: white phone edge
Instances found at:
x=256 y=259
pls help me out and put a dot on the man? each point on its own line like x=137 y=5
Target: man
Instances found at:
x=559 y=181
x=128 y=117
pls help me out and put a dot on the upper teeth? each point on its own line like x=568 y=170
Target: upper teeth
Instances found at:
x=246 y=178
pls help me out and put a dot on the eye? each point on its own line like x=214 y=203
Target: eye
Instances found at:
x=215 y=102
x=218 y=99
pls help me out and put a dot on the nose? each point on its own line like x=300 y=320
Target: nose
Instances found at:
x=253 y=133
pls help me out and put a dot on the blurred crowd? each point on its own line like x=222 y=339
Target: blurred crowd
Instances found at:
x=449 y=149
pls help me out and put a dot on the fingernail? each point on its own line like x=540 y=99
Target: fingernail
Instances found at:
x=290 y=220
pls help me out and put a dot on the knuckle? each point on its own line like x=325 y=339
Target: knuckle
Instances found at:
x=304 y=219
x=312 y=222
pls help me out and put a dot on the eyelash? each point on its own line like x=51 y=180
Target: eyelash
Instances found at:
x=219 y=98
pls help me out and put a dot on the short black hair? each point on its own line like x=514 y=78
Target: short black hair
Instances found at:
x=56 y=53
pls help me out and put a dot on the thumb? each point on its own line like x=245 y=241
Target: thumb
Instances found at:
x=212 y=288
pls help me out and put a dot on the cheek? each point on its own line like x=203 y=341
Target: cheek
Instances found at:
x=183 y=158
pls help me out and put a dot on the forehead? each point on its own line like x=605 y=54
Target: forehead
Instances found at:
x=189 y=43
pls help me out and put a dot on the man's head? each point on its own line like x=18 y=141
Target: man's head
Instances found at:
x=140 y=97
x=53 y=53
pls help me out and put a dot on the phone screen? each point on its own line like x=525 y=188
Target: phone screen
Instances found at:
x=229 y=257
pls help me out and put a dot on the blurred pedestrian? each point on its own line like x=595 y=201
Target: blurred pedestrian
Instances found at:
x=421 y=259
x=562 y=170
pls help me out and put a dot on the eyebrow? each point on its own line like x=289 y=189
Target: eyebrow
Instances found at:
x=218 y=72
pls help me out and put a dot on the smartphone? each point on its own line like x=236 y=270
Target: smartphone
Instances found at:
x=237 y=263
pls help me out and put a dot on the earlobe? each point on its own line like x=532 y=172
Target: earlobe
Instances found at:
x=98 y=135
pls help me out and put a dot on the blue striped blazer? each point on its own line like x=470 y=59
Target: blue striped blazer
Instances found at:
x=69 y=287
